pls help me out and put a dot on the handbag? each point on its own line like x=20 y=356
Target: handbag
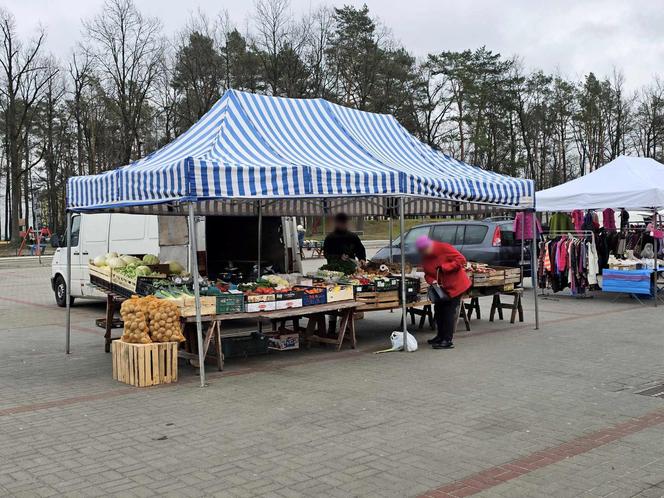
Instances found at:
x=436 y=294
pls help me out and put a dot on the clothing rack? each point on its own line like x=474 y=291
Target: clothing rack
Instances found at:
x=570 y=233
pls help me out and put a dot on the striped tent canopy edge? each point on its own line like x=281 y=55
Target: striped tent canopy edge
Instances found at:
x=250 y=146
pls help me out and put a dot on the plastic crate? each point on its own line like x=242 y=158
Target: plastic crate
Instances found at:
x=241 y=347
x=312 y=295
x=230 y=303
x=389 y=284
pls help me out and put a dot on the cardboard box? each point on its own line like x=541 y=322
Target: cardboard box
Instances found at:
x=284 y=342
x=261 y=306
x=283 y=304
x=336 y=292
x=260 y=298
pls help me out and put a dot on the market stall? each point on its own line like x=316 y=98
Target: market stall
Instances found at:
x=579 y=247
x=254 y=155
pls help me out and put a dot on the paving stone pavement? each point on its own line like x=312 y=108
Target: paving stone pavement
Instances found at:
x=321 y=423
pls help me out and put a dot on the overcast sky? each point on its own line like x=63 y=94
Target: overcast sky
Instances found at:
x=570 y=37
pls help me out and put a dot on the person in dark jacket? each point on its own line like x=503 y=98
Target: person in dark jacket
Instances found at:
x=342 y=244
x=445 y=266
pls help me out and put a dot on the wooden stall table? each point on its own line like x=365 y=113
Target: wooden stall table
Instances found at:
x=109 y=322
x=515 y=306
x=312 y=333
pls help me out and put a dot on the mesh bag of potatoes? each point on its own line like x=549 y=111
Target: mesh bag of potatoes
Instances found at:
x=135 y=317
x=164 y=320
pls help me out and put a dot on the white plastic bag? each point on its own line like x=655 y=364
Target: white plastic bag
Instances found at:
x=397 y=341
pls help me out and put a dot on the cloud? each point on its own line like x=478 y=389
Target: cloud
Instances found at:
x=574 y=37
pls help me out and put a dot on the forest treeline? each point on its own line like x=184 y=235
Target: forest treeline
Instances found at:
x=127 y=89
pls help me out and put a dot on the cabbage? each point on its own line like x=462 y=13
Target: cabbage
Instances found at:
x=116 y=263
x=111 y=255
x=99 y=261
x=143 y=271
x=150 y=259
x=174 y=267
x=130 y=260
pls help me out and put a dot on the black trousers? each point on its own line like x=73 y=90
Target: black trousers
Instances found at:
x=445 y=314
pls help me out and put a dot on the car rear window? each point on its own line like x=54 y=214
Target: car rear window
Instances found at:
x=444 y=233
x=475 y=234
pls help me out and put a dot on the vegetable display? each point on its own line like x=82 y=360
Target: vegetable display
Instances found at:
x=100 y=261
x=150 y=259
x=148 y=319
x=134 y=315
x=164 y=320
x=115 y=262
x=174 y=267
x=346 y=267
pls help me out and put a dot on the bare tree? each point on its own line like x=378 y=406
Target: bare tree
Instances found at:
x=128 y=49
x=80 y=74
x=23 y=78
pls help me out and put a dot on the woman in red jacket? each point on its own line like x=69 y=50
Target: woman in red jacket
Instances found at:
x=444 y=265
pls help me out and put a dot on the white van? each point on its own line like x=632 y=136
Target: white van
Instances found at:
x=97 y=234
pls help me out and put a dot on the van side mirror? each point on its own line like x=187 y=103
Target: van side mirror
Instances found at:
x=55 y=240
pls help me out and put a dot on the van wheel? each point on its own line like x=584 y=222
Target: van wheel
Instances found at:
x=61 y=292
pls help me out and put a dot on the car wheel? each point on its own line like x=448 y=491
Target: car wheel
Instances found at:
x=60 y=290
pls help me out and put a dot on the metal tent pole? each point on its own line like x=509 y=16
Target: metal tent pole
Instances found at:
x=402 y=230
x=260 y=238
x=654 y=243
x=533 y=267
x=193 y=244
x=68 y=285
x=391 y=233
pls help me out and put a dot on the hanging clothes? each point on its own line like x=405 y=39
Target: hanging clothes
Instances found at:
x=523 y=226
x=561 y=222
x=624 y=219
x=568 y=262
x=577 y=219
x=588 y=223
x=609 y=219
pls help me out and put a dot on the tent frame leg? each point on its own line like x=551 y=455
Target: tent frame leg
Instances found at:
x=259 y=208
x=654 y=243
x=533 y=267
x=404 y=308
x=193 y=245
x=68 y=286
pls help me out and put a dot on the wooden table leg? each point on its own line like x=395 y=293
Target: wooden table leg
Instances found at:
x=110 y=311
x=217 y=340
x=345 y=317
x=353 y=338
x=464 y=315
x=208 y=338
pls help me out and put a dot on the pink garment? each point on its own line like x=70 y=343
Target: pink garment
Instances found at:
x=577 y=219
x=523 y=226
x=561 y=255
x=609 y=218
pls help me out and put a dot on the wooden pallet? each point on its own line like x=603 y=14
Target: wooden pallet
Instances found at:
x=377 y=300
x=143 y=365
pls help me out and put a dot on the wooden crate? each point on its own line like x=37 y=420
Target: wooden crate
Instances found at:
x=143 y=365
x=100 y=276
x=494 y=278
x=377 y=300
x=208 y=306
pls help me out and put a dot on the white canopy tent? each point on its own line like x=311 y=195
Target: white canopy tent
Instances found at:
x=626 y=182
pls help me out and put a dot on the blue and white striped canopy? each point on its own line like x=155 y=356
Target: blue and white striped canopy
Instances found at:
x=252 y=146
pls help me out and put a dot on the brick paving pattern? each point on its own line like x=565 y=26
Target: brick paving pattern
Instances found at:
x=510 y=412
